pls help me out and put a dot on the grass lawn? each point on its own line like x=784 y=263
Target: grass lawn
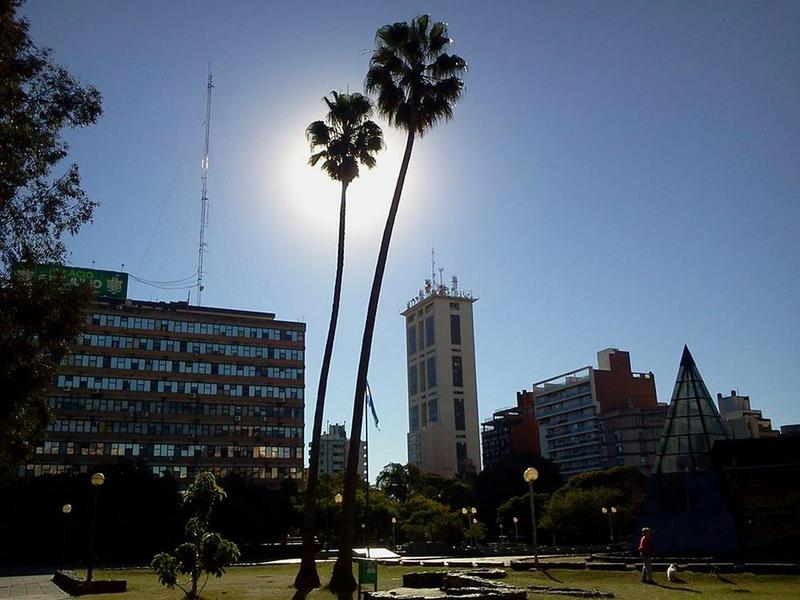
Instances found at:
x=275 y=583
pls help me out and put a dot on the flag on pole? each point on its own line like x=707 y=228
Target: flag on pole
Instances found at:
x=371 y=404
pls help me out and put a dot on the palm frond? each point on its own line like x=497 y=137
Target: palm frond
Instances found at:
x=318 y=134
x=347 y=138
x=416 y=84
x=315 y=158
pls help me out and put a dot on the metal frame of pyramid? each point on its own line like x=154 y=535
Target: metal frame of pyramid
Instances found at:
x=692 y=425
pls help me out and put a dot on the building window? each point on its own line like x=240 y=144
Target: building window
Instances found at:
x=461 y=456
x=458 y=412
x=422 y=376
x=412 y=380
x=431 y=372
x=455 y=329
x=413 y=418
x=420 y=336
x=412 y=339
x=458 y=376
x=429 y=335
x=433 y=410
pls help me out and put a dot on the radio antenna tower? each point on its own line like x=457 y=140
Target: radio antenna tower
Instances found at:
x=204 y=197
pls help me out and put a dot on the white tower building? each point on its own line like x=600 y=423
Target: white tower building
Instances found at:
x=443 y=436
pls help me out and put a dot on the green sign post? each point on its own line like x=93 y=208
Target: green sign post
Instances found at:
x=106 y=284
x=367 y=573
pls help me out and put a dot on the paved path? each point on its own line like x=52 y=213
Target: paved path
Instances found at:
x=30 y=587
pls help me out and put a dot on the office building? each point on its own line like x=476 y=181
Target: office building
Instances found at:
x=180 y=389
x=511 y=431
x=442 y=389
x=334 y=447
x=742 y=421
x=593 y=418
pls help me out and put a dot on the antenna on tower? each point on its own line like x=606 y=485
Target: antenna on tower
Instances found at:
x=433 y=265
x=204 y=197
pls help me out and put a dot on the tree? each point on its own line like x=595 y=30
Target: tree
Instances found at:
x=39 y=319
x=417 y=84
x=503 y=480
x=38 y=100
x=575 y=510
x=204 y=551
x=348 y=138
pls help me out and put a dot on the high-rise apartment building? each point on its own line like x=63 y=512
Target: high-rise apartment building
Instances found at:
x=593 y=418
x=743 y=422
x=334 y=447
x=442 y=388
x=179 y=388
x=511 y=431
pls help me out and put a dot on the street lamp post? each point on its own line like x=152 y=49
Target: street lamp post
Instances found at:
x=338 y=500
x=609 y=512
x=530 y=475
x=65 y=510
x=394 y=533
x=97 y=480
x=516 y=531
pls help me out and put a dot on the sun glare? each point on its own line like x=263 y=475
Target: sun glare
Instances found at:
x=315 y=196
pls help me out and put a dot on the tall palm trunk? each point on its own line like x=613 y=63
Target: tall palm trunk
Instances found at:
x=342 y=579
x=307 y=576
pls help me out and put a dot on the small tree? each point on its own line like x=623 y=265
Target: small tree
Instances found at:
x=205 y=551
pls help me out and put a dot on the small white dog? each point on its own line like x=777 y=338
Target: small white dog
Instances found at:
x=672 y=572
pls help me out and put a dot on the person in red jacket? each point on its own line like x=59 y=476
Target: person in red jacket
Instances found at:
x=646 y=550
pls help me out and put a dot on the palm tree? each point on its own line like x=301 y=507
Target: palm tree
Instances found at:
x=417 y=84
x=347 y=138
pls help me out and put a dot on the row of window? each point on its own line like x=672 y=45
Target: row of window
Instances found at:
x=177 y=471
x=587 y=425
x=566 y=406
x=171 y=325
x=422 y=376
x=570 y=392
x=419 y=415
x=172 y=429
x=572 y=440
x=66 y=448
x=148 y=407
x=89 y=382
x=179 y=366
x=122 y=341
x=422 y=334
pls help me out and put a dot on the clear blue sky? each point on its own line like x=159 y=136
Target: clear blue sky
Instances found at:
x=618 y=174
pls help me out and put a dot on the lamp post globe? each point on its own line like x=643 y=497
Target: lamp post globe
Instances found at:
x=338 y=498
x=98 y=479
x=66 y=509
x=530 y=474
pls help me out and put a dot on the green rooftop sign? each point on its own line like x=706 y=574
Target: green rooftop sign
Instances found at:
x=106 y=284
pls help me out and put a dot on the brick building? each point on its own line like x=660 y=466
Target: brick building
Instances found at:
x=511 y=431
x=593 y=418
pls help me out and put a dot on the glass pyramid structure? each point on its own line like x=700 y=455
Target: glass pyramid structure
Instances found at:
x=687 y=506
x=692 y=425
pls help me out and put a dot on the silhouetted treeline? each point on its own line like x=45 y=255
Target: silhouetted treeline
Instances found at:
x=138 y=516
